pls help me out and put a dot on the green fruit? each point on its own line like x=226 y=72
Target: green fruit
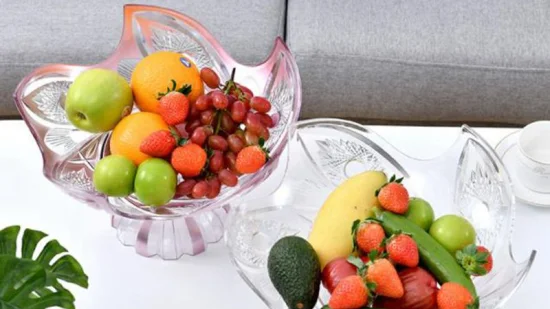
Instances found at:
x=295 y=271
x=421 y=213
x=114 y=176
x=155 y=183
x=433 y=255
x=97 y=100
x=453 y=232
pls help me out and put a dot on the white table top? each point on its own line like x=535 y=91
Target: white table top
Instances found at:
x=121 y=279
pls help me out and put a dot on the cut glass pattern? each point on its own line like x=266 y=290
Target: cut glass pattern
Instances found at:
x=49 y=100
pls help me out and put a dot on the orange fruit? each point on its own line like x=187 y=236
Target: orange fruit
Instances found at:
x=131 y=131
x=154 y=73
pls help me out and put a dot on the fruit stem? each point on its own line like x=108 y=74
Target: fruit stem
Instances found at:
x=228 y=87
x=230 y=84
x=233 y=74
x=219 y=121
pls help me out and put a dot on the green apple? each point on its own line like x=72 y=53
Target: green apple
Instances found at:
x=97 y=100
x=155 y=183
x=420 y=212
x=453 y=232
x=114 y=176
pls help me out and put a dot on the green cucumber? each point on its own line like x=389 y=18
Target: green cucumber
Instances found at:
x=438 y=260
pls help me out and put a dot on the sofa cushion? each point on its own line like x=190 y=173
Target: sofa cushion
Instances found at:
x=85 y=32
x=437 y=61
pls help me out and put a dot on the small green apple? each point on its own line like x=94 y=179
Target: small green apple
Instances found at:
x=453 y=232
x=420 y=212
x=114 y=176
x=97 y=100
x=155 y=183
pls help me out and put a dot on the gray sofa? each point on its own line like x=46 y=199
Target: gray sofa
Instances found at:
x=391 y=61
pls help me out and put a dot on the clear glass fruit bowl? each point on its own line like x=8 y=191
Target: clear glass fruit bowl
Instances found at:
x=468 y=179
x=183 y=226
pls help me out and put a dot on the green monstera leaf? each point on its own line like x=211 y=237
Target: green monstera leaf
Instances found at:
x=35 y=283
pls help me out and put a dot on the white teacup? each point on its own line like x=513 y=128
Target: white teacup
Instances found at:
x=534 y=156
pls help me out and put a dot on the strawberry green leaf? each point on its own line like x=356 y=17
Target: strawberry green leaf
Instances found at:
x=377 y=192
x=355 y=226
x=479 y=270
x=355 y=261
x=397 y=233
x=392 y=179
x=472 y=261
x=371 y=286
x=373 y=220
x=182 y=141
x=174 y=133
x=470 y=249
x=482 y=257
x=373 y=255
x=185 y=89
x=459 y=255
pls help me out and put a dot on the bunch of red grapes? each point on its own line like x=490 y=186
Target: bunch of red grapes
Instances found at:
x=224 y=121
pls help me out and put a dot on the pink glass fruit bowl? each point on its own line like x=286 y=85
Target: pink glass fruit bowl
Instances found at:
x=183 y=226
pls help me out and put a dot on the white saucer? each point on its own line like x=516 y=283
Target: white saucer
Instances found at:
x=508 y=151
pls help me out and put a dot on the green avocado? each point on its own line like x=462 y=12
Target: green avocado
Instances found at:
x=295 y=271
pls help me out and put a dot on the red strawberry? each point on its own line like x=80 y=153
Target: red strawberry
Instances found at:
x=383 y=274
x=476 y=261
x=488 y=265
x=393 y=196
x=350 y=293
x=455 y=296
x=174 y=108
x=159 y=144
x=368 y=236
x=250 y=159
x=189 y=160
x=402 y=250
